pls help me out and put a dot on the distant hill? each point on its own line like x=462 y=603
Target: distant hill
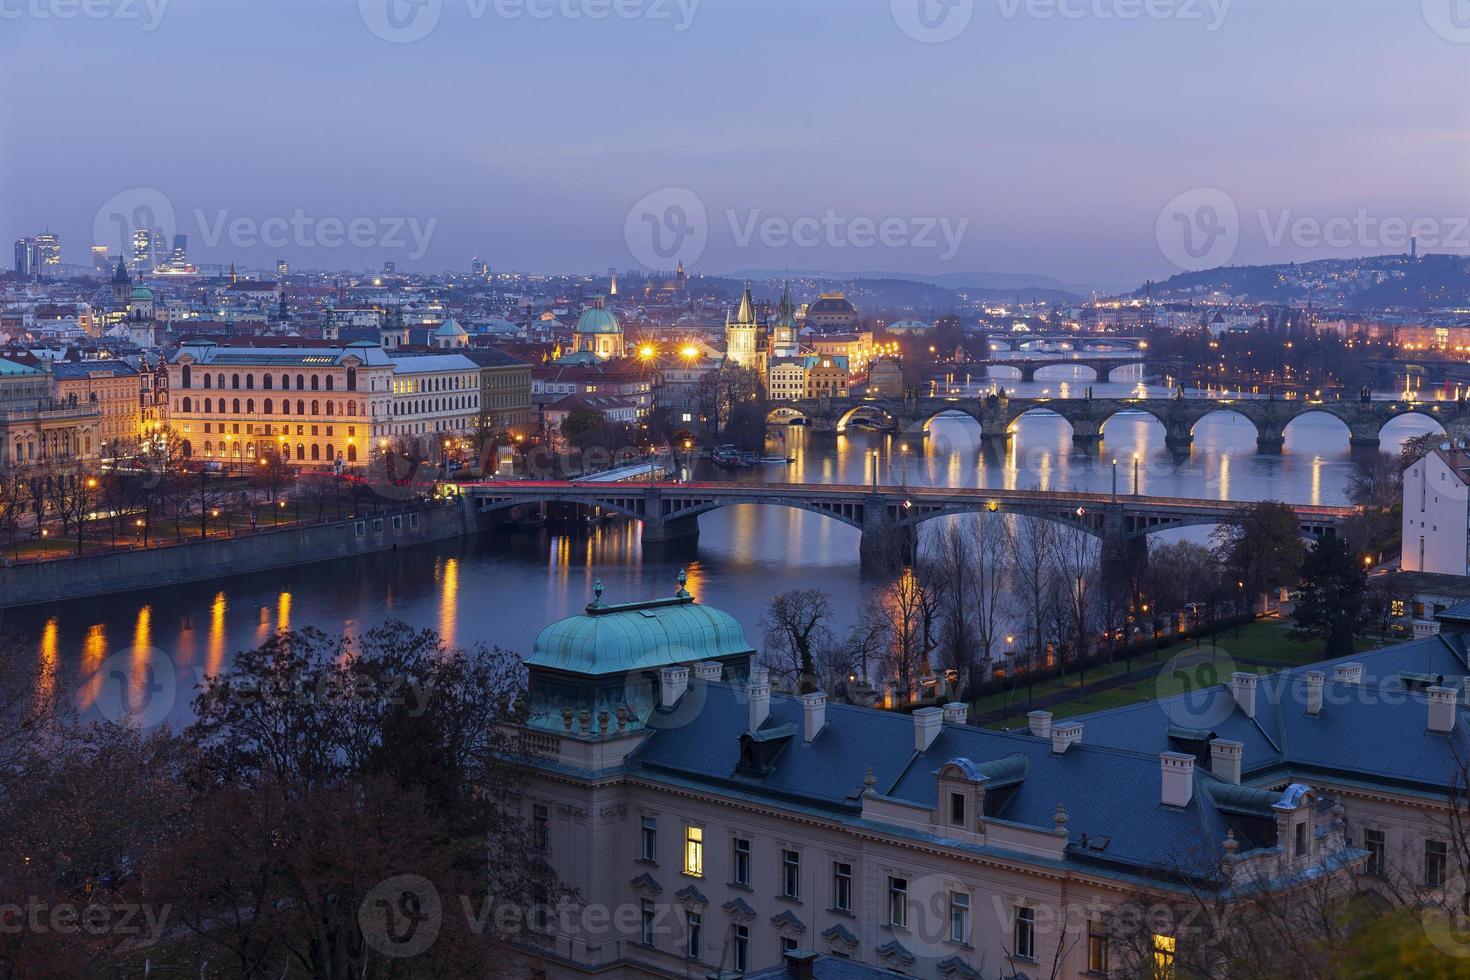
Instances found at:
x=1380 y=282
x=987 y=285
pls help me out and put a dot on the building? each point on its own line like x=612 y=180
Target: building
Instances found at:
x=857 y=348
x=831 y=312
x=113 y=388
x=738 y=826
x=786 y=379
x=1436 y=518
x=434 y=395
x=826 y=375
x=449 y=335
x=48 y=254
x=785 y=331
x=885 y=378
x=27 y=260
x=505 y=389
x=626 y=380
x=35 y=428
x=598 y=333
x=316 y=405
x=745 y=336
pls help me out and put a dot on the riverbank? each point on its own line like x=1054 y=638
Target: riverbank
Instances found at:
x=63 y=579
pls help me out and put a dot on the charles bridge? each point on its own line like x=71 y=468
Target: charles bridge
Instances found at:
x=997 y=414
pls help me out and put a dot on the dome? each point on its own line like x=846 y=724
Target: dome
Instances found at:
x=142 y=292
x=636 y=636
x=598 y=319
x=450 y=328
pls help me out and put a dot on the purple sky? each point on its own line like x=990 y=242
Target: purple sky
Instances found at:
x=1044 y=143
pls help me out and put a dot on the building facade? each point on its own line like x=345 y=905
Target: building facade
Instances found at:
x=1436 y=513
x=114 y=389
x=434 y=395
x=505 y=389
x=36 y=429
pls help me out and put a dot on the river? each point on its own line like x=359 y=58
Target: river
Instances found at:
x=501 y=588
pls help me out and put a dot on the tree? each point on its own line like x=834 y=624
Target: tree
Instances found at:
x=1330 y=607
x=1031 y=542
x=956 y=562
x=1260 y=546
x=796 y=629
x=1076 y=570
x=1417 y=447
x=581 y=423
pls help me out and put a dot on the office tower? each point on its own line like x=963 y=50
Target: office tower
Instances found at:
x=477 y=267
x=48 y=254
x=142 y=251
x=390 y=267
x=25 y=258
x=282 y=269
x=100 y=260
x=180 y=256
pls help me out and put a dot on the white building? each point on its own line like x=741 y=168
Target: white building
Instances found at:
x=434 y=394
x=1436 y=522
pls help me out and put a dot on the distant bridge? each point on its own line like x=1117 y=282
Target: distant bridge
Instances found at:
x=997 y=415
x=670 y=511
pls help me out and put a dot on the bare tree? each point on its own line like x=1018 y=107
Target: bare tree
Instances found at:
x=956 y=562
x=1032 y=542
x=796 y=630
x=1075 y=555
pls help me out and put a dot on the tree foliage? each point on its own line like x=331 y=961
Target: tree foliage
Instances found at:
x=1330 y=607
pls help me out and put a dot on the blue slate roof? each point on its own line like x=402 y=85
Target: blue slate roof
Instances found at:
x=636 y=636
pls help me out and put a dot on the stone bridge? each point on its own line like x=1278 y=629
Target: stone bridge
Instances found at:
x=884 y=514
x=997 y=415
x=1102 y=367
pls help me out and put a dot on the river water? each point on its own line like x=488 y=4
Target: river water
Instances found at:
x=501 y=588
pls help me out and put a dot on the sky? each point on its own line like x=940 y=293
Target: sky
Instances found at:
x=1094 y=141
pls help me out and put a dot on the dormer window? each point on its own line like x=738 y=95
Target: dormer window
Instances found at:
x=957 y=809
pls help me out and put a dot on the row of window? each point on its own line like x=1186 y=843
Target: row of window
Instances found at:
x=1436 y=857
x=267 y=381
x=210 y=407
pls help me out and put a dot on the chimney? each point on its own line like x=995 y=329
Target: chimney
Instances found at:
x=956 y=712
x=814 y=710
x=1442 y=709
x=927 y=724
x=1040 y=722
x=1243 y=686
x=1314 y=691
x=1178 y=774
x=673 y=681
x=801 y=963
x=1225 y=759
x=1064 y=735
x=708 y=670
x=759 y=692
x=1348 y=673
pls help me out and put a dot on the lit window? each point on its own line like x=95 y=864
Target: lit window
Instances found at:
x=1097 y=947
x=694 y=852
x=1164 y=957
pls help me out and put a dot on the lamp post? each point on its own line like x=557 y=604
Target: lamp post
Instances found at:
x=1135 y=474
x=1115 y=481
x=903 y=466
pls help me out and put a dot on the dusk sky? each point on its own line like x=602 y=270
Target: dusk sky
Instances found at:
x=1043 y=143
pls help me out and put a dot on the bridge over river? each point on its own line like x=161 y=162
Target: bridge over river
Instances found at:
x=997 y=415
x=884 y=514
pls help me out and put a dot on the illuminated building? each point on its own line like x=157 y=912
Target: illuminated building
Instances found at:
x=826 y=376
x=36 y=427
x=598 y=333
x=743 y=336
x=783 y=338
x=27 y=263
x=831 y=311
x=113 y=389
x=142 y=251
x=48 y=254
x=101 y=263
x=434 y=395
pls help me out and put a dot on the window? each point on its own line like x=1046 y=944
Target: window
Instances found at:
x=1097 y=947
x=692 y=928
x=741 y=951
x=648 y=848
x=790 y=874
x=841 y=886
x=788 y=945
x=1024 y=941
x=741 y=863
x=898 y=902
x=645 y=922
x=1374 y=843
x=1164 y=957
x=694 y=851
x=957 y=809
x=959 y=917
x=541 y=821
x=1436 y=855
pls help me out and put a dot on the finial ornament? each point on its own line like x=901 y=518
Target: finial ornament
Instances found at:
x=596 y=594
x=1231 y=844
x=1060 y=817
x=870 y=781
x=683 y=593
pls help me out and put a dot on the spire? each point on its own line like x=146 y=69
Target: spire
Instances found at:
x=746 y=313
x=121 y=276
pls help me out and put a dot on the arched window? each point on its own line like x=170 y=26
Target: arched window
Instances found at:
x=208 y=448
x=351 y=406
x=285 y=382
x=219 y=380
x=300 y=407
x=250 y=449
x=250 y=406
x=331 y=453
x=351 y=378
x=268 y=405
x=188 y=376
x=316 y=382
x=330 y=382
x=316 y=407
x=249 y=382
x=316 y=452
x=300 y=382
x=235 y=382
x=329 y=406
x=206 y=380
x=187 y=448
x=188 y=404
x=208 y=406
x=300 y=451
x=236 y=407
x=267 y=381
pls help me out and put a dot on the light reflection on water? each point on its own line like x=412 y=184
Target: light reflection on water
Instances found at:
x=502 y=588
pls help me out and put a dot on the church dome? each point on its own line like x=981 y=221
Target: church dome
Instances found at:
x=450 y=328
x=142 y=293
x=598 y=319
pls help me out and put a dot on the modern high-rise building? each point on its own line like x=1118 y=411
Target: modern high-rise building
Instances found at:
x=282 y=268
x=48 y=254
x=101 y=262
x=142 y=251
x=180 y=254
x=478 y=268
x=25 y=258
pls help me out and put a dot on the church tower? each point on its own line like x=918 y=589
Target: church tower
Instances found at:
x=784 y=341
x=742 y=335
x=122 y=285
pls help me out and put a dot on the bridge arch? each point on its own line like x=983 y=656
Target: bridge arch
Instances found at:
x=868 y=413
x=1344 y=427
x=1408 y=422
x=785 y=415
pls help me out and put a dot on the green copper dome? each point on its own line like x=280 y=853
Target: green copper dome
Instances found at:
x=598 y=319
x=637 y=636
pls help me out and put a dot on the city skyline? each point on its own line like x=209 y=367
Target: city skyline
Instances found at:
x=1031 y=143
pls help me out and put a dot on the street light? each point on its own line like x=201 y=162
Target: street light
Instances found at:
x=1135 y=474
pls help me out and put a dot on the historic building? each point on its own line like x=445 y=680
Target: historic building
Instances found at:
x=434 y=395
x=713 y=826
x=1436 y=513
x=745 y=336
x=114 y=389
x=830 y=312
x=505 y=389
x=36 y=428
x=598 y=333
